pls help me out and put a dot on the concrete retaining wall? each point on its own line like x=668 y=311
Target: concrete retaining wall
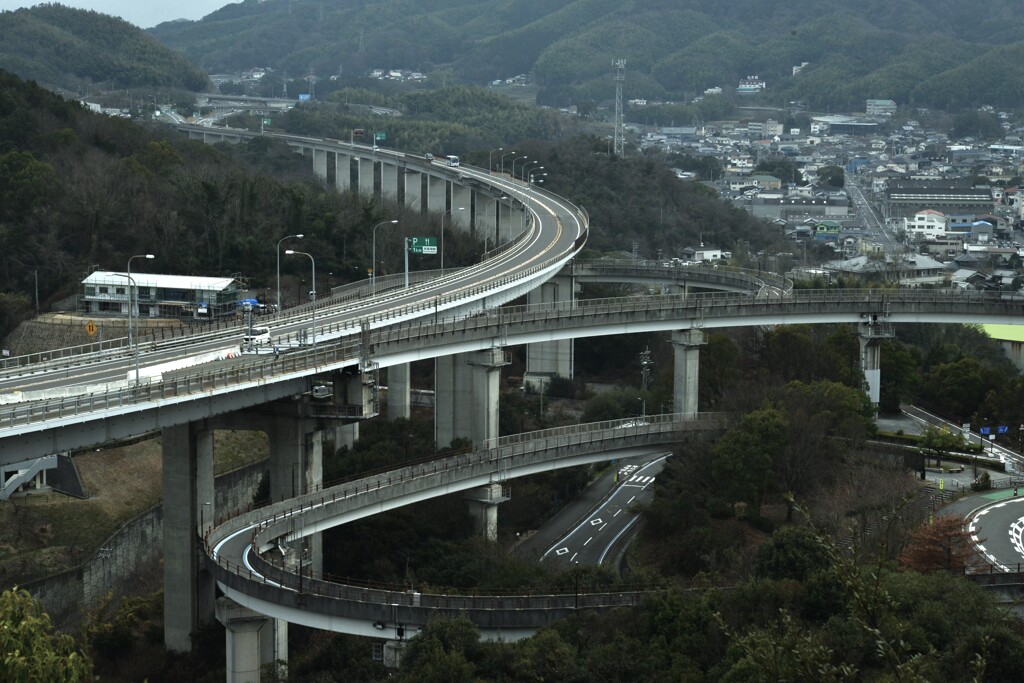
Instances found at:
x=131 y=552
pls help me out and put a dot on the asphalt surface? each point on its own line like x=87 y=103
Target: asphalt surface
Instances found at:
x=570 y=516
x=600 y=489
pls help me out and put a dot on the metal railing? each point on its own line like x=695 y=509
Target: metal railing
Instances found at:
x=394 y=326
x=506 y=457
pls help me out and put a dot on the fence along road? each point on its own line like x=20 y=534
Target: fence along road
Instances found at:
x=107 y=408
x=242 y=551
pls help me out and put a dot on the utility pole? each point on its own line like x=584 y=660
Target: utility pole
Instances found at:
x=620 y=76
x=645 y=369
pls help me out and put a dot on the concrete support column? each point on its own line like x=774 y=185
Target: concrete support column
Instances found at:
x=296 y=467
x=485 y=378
x=510 y=221
x=437 y=194
x=483 y=506
x=245 y=635
x=462 y=221
x=342 y=172
x=206 y=514
x=871 y=360
x=366 y=170
x=320 y=163
x=346 y=435
x=399 y=404
x=464 y=398
x=487 y=220
x=185 y=598
x=393 y=650
x=545 y=360
x=686 y=346
x=413 y=181
x=444 y=400
x=287 y=457
x=390 y=176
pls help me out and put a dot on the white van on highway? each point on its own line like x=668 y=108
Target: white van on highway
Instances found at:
x=255 y=337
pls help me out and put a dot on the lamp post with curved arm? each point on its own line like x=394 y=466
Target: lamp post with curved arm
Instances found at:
x=278 y=252
x=373 y=270
x=526 y=165
x=131 y=286
x=490 y=166
x=503 y=159
x=446 y=213
x=289 y=252
x=514 y=161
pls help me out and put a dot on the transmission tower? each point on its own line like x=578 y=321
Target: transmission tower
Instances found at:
x=620 y=76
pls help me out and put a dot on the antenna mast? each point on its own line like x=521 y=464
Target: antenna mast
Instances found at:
x=620 y=76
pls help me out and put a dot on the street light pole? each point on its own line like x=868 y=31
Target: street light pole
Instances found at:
x=373 y=269
x=461 y=208
x=490 y=165
x=303 y=253
x=517 y=159
x=131 y=286
x=278 y=251
x=529 y=163
x=503 y=160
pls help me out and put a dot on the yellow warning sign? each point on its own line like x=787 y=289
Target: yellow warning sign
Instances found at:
x=90 y=328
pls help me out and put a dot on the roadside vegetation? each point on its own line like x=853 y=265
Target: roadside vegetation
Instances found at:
x=790 y=547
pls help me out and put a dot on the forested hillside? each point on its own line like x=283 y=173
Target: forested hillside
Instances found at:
x=72 y=49
x=79 y=190
x=933 y=54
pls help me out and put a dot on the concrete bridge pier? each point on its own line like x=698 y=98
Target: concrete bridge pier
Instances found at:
x=870 y=334
x=484 y=370
x=483 y=506
x=342 y=172
x=320 y=163
x=437 y=194
x=462 y=221
x=249 y=639
x=466 y=396
x=390 y=179
x=546 y=360
x=509 y=221
x=399 y=402
x=357 y=390
x=296 y=467
x=412 y=181
x=487 y=220
x=686 y=346
x=367 y=167
x=188 y=508
x=444 y=400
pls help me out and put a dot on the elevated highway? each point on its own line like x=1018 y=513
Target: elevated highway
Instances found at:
x=417 y=331
x=244 y=549
x=70 y=401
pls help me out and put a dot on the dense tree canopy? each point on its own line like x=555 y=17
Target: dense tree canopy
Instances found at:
x=29 y=648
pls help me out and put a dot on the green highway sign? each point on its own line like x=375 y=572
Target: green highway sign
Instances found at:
x=380 y=135
x=422 y=245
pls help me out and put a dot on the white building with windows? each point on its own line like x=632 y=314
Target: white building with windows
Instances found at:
x=927 y=224
x=159 y=296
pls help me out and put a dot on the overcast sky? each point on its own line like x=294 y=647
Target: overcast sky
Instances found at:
x=142 y=13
